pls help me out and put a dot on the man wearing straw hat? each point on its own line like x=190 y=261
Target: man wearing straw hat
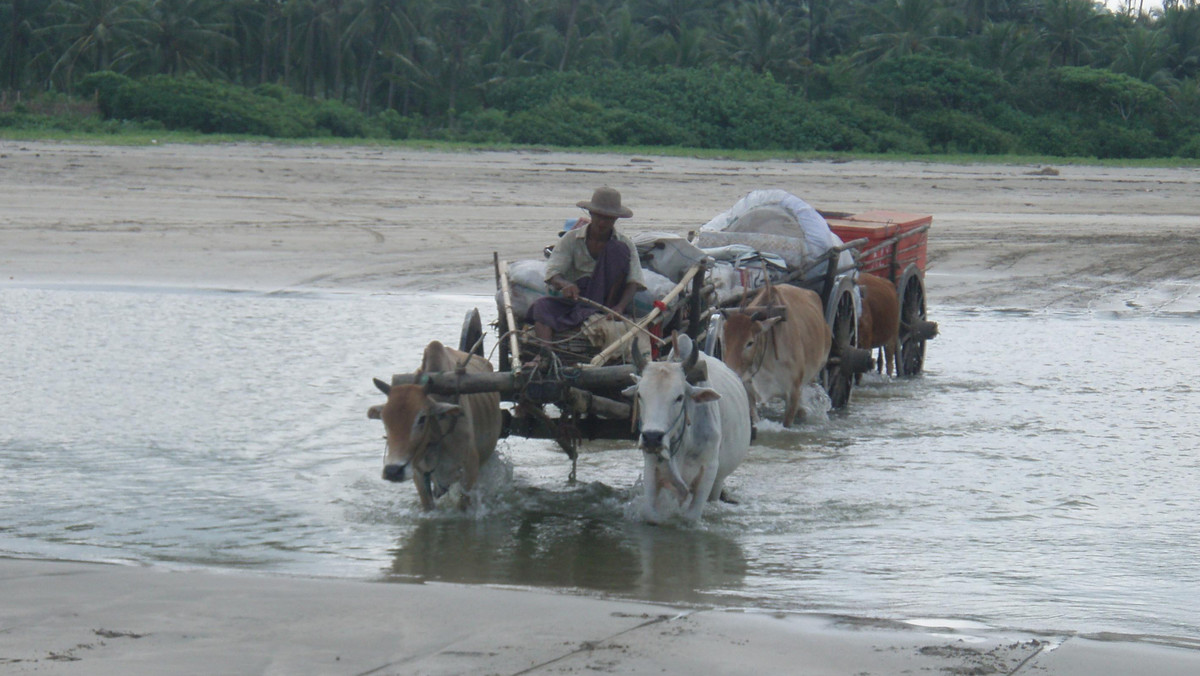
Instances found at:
x=592 y=261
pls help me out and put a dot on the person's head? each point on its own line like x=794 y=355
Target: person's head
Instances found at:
x=605 y=207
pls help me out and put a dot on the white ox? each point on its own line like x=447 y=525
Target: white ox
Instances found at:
x=438 y=441
x=695 y=427
x=777 y=356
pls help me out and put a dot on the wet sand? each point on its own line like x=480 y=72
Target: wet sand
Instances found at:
x=276 y=218
x=294 y=217
x=71 y=618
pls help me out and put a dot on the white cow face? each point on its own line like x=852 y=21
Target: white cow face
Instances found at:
x=661 y=395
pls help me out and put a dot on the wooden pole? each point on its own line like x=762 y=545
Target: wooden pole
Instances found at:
x=619 y=343
x=513 y=346
x=503 y=382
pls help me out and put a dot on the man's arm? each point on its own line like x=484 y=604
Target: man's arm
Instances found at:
x=627 y=294
x=559 y=264
x=568 y=289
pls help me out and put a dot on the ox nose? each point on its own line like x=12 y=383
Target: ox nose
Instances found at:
x=395 y=472
x=652 y=439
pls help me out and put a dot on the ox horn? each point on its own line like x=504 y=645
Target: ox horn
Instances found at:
x=383 y=387
x=693 y=354
x=638 y=360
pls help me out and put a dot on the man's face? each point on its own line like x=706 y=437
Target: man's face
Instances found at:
x=604 y=224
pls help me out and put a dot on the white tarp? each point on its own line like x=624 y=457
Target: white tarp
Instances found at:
x=777 y=222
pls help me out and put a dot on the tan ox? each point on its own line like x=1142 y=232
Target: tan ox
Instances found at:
x=777 y=356
x=879 y=323
x=438 y=441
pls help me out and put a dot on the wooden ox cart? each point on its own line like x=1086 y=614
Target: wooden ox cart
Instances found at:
x=574 y=391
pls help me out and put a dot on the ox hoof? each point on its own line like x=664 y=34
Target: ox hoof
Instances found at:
x=726 y=499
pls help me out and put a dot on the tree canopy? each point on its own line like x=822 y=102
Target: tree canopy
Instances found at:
x=982 y=76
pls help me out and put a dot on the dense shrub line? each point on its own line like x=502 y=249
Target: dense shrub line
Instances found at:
x=911 y=105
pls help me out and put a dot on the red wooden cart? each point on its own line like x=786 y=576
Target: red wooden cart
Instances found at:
x=895 y=249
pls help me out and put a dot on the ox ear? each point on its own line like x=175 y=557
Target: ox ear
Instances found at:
x=375 y=412
x=632 y=389
x=703 y=394
x=383 y=387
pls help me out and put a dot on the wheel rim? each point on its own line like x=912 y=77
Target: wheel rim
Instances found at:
x=912 y=348
x=838 y=379
x=472 y=332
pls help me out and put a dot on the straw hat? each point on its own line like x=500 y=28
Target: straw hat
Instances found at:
x=606 y=202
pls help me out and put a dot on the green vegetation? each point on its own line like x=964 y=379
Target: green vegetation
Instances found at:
x=1065 y=78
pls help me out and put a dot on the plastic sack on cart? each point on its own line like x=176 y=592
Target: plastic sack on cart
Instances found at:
x=527 y=283
x=669 y=255
x=777 y=222
x=730 y=279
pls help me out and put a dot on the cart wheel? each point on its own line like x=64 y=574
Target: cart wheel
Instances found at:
x=471 y=338
x=838 y=376
x=915 y=330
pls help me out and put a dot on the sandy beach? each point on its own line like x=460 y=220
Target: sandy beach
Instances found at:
x=360 y=219
x=295 y=217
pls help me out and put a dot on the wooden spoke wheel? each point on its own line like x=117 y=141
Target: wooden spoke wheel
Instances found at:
x=915 y=329
x=838 y=376
x=471 y=338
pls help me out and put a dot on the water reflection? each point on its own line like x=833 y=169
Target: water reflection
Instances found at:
x=543 y=548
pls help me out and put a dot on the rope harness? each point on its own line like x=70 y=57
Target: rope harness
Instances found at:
x=677 y=439
x=435 y=445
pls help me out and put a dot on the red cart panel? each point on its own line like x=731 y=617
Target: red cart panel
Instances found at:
x=878 y=226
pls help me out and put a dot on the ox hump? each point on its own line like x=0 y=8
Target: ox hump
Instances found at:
x=437 y=358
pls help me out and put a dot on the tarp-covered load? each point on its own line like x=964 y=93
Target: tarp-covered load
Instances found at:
x=775 y=222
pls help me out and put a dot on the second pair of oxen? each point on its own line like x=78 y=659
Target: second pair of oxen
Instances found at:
x=694 y=427
x=879 y=324
x=778 y=344
x=438 y=441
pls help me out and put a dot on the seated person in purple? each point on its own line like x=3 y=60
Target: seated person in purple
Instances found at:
x=594 y=262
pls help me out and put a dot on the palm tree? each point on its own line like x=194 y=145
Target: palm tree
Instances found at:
x=22 y=33
x=184 y=36
x=1145 y=55
x=1069 y=29
x=457 y=27
x=674 y=17
x=1182 y=27
x=900 y=28
x=94 y=32
x=1005 y=48
x=763 y=37
x=827 y=28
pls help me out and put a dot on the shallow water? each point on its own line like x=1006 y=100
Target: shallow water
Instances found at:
x=1042 y=474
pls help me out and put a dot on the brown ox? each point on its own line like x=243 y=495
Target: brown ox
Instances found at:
x=438 y=440
x=879 y=323
x=776 y=356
